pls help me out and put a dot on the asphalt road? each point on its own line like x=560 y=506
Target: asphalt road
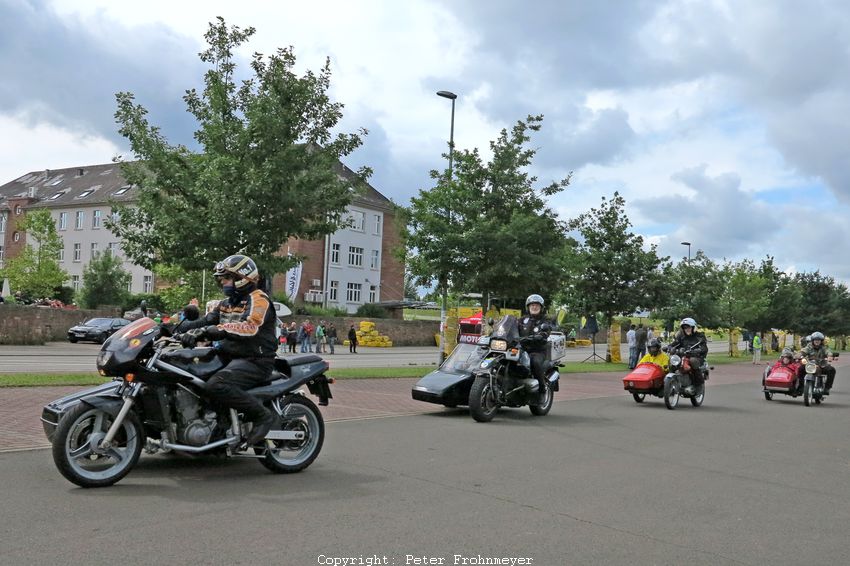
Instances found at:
x=604 y=481
x=63 y=357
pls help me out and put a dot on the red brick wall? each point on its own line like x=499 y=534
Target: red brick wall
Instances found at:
x=392 y=270
x=12 y=248
x=313 y=252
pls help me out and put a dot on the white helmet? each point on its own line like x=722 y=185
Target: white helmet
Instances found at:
x=535 y=299
x=689 y=322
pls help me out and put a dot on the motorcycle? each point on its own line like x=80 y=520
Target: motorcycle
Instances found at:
x=504 y=377
x=157 y=403
x=814 y=384
x=678 y=382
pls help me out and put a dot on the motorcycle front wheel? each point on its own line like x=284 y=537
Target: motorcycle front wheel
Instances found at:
x=671 y=394
x=289 y=456
x=697 y=399
x=76 y=450
x=807 y=393
x=482 y=400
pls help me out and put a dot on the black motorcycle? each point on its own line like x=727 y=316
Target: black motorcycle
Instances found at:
x=504 y=377
x=678 y=381
x=157 y=402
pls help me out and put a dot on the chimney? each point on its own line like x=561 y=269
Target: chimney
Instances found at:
x=82 y=172
x=46 y=173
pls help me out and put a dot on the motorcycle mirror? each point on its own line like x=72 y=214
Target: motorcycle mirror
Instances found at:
x=490 y=321
x=664 y=348
x=835 y=354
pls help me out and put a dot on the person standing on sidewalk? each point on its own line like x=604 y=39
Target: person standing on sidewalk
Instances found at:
x=641 y=338
x=331 y=337
x=756 y=349
x=320 y=337
x=630 y=338
x=352 y=340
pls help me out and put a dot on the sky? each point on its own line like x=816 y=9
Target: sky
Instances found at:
x=722 y=123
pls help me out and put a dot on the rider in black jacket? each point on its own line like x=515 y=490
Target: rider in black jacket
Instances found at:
x=696 y=346
x=243 y=325
x=534 y=331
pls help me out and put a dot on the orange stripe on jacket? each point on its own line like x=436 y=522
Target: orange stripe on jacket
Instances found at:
x=251 y=325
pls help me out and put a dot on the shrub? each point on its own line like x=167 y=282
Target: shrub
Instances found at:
x=372 y=310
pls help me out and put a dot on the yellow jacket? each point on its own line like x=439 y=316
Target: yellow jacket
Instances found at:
x=662 y=359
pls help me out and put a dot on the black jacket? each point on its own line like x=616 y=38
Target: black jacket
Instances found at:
x=536 y=329
x=681 y=340
x=244 y=326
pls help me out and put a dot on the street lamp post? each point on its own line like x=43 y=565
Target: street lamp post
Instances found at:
x=689 y=250
x=445 y=283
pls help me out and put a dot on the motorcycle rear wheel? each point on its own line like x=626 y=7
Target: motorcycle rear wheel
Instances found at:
x=671 y=394
x=543 y=409
x=482 y=400
x=75 y=451
x=291 y=456
x=807 y=394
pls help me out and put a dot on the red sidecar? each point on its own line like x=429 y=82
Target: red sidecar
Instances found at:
x=780 y=379
x=646 y=379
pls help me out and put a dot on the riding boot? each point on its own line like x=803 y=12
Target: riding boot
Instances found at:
x=541 y=392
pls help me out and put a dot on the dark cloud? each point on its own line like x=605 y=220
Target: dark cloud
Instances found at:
x=66 y=72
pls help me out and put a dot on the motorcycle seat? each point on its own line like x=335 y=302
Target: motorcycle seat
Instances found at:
x=189 y=354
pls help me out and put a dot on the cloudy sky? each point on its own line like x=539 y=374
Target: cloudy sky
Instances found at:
x=723 y=123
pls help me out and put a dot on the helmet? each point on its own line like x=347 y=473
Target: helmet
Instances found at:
x=816 y=336
x=241 y=267
x=654 y=345
x=787 y=353
x=535 y=299
x=689 y=322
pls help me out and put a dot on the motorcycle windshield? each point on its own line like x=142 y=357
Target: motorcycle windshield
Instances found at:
x=118 y=354
x=507 y=329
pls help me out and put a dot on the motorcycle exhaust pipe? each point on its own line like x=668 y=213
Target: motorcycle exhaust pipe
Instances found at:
x=197 y=449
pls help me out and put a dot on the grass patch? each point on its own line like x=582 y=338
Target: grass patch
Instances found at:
x=44 y=379
x=380 y=373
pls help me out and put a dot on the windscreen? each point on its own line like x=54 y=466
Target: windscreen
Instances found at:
x=507 y=329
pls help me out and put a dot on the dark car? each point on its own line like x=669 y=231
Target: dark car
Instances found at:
x=449 y=384
x=96 y=329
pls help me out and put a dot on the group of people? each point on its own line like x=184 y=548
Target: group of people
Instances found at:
x=638 y=339
x=814 y=350
x=320 y=338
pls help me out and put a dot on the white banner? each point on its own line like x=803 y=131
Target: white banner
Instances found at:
x=293 y=280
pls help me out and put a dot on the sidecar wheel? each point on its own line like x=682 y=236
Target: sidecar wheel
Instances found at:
x=768 y=395
x=639 y=397
x=290 y=456
x=671 y=395
x=482 y=400
x=77 y=456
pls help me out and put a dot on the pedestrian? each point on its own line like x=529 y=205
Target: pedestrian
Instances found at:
x=641 y=337
x=756 y=349
x=650 y=334
x=320 y=338
x=331 y=336
x=352 y=340
x=303 y=337
x=630 y=338
x=774 y=342
x=292 y=337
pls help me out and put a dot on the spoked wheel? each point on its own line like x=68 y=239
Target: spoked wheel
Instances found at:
x=639 y=397
x=482 y=400
x=296 y=413
x=699 y=397
x=768 y=395
x=543 y=408
x=671 y=394
x=807 y=394
x=77 y=452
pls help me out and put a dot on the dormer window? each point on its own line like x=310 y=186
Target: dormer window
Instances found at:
x=56 y=182
x=56 y=196
x=121 y=191
x=84 y=194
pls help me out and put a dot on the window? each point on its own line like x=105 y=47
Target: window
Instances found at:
x=1 y=256
x=112 y=249
x=62 y=252
x=78 y=224
x=121 y=191
x=377 y=224
x=147 y=284
x=18 y=210
x=129 y=284
x=95 y=219
x=56 y=196
x=63 y=220
x=355 y=256
x=2 y=222
x=357 y=219
x=93 y=250
x=78 y=252
x=334 y=291
x=352 y=294
x=16 y=236
x=84 y=194
x=116 y=216
x=335 y=254
x=376 y=259
x=373 y=292
x=75 y=282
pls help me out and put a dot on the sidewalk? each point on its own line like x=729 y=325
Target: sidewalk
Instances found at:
x=20 y=407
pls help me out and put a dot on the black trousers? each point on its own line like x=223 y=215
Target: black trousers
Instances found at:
x=828 y=370
x=538 y=359
x=352 y=346
x=696 y=373
x=227 y=387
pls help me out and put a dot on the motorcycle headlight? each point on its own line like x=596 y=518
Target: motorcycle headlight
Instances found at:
x=103 y=359
x=675 y=360
x=500 y=345
x=811 y=368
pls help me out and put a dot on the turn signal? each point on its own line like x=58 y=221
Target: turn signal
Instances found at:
x=331 y=380
x=130 y=377
x=514 y=351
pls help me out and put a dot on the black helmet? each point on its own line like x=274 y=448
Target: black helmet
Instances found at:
x=241 y=267
x=654 y=346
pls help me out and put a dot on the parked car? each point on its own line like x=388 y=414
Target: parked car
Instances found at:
x=96 y=329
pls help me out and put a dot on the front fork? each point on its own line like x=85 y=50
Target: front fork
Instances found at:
x=130 y=394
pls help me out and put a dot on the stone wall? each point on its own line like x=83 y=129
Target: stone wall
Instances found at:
x=401 y=332
x=29 y=325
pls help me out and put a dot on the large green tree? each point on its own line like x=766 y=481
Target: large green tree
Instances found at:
x=35 y=271
x=692 y=288
x=488 y=228
x=104 y=282
x=784 y=297
x=744 y=296
x=268 y=168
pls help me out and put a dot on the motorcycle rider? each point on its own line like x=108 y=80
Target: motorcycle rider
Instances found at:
x=243 y=324
x=534 y=332
x=654 y=355
x=688 y=337
x=818 y=352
